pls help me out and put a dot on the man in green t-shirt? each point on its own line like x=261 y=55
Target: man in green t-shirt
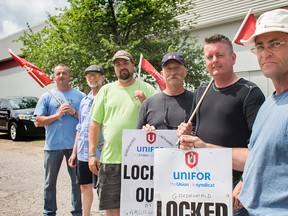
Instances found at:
x=115 y=108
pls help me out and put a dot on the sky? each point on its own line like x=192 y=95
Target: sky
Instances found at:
x=15 y=14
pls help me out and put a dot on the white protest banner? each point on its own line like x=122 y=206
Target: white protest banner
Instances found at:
x=137 y=192
x=195 y=182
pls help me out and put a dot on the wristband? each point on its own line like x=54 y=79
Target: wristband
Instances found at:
x=92 y=155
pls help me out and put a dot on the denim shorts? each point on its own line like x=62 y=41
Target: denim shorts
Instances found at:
x=109 y=186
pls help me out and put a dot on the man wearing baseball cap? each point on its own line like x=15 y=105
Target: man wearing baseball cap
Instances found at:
x=264 y=188
x=79 y=157
x=169 y=108
x=122 y=54
x=116 y=107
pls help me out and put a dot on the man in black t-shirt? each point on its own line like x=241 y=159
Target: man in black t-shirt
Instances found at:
x=228 y=111
x=167 y=109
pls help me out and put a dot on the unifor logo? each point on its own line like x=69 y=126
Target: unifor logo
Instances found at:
x=151 y=137
x=191 y=159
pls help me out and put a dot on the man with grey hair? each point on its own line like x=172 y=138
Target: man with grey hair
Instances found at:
x=79 y=158
x=264 y=189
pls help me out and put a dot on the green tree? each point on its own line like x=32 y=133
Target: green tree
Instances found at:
x=91 y=31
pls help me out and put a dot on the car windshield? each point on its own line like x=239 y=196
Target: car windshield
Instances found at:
x=23 y=103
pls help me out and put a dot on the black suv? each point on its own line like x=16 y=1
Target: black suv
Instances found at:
x=16 y=117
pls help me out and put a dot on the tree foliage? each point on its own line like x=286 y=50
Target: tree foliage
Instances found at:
x=91 y=31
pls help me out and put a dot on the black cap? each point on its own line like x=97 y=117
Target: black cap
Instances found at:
x=94 y=68
x=177 y=56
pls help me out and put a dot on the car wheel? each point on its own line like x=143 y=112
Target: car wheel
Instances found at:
x=14 y=132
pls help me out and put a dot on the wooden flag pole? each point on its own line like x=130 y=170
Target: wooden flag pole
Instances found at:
x=198 y=105
x=139 y=70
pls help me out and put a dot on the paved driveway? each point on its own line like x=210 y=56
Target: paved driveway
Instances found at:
x=22 y=179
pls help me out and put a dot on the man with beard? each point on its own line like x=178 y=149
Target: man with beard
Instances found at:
x=167 y=109
x=116 y=107
x=85 y=178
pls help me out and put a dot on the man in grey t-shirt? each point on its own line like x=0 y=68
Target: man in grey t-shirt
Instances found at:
x=167 y=109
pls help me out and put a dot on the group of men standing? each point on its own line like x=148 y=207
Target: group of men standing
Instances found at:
x=79 y=127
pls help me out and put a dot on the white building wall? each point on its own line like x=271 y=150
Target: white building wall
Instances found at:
x=214 y=12
x=10 y=42
x=17 y=82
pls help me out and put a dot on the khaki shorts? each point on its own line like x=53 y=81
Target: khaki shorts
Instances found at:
x=109 y=186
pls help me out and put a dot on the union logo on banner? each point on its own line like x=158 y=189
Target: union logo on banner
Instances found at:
x=191 y=159
x=151 y=137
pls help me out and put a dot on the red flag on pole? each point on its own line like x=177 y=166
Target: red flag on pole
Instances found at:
x=146 y=66
x=246 y=29
x=38 y=75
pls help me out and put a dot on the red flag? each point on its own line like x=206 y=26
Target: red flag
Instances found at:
x=146 y=66
x=246 y=29
x=38 y=75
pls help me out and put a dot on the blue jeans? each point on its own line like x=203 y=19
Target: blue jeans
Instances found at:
x=52 y=163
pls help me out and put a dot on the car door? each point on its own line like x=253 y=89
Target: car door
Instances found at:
x=4 y=114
